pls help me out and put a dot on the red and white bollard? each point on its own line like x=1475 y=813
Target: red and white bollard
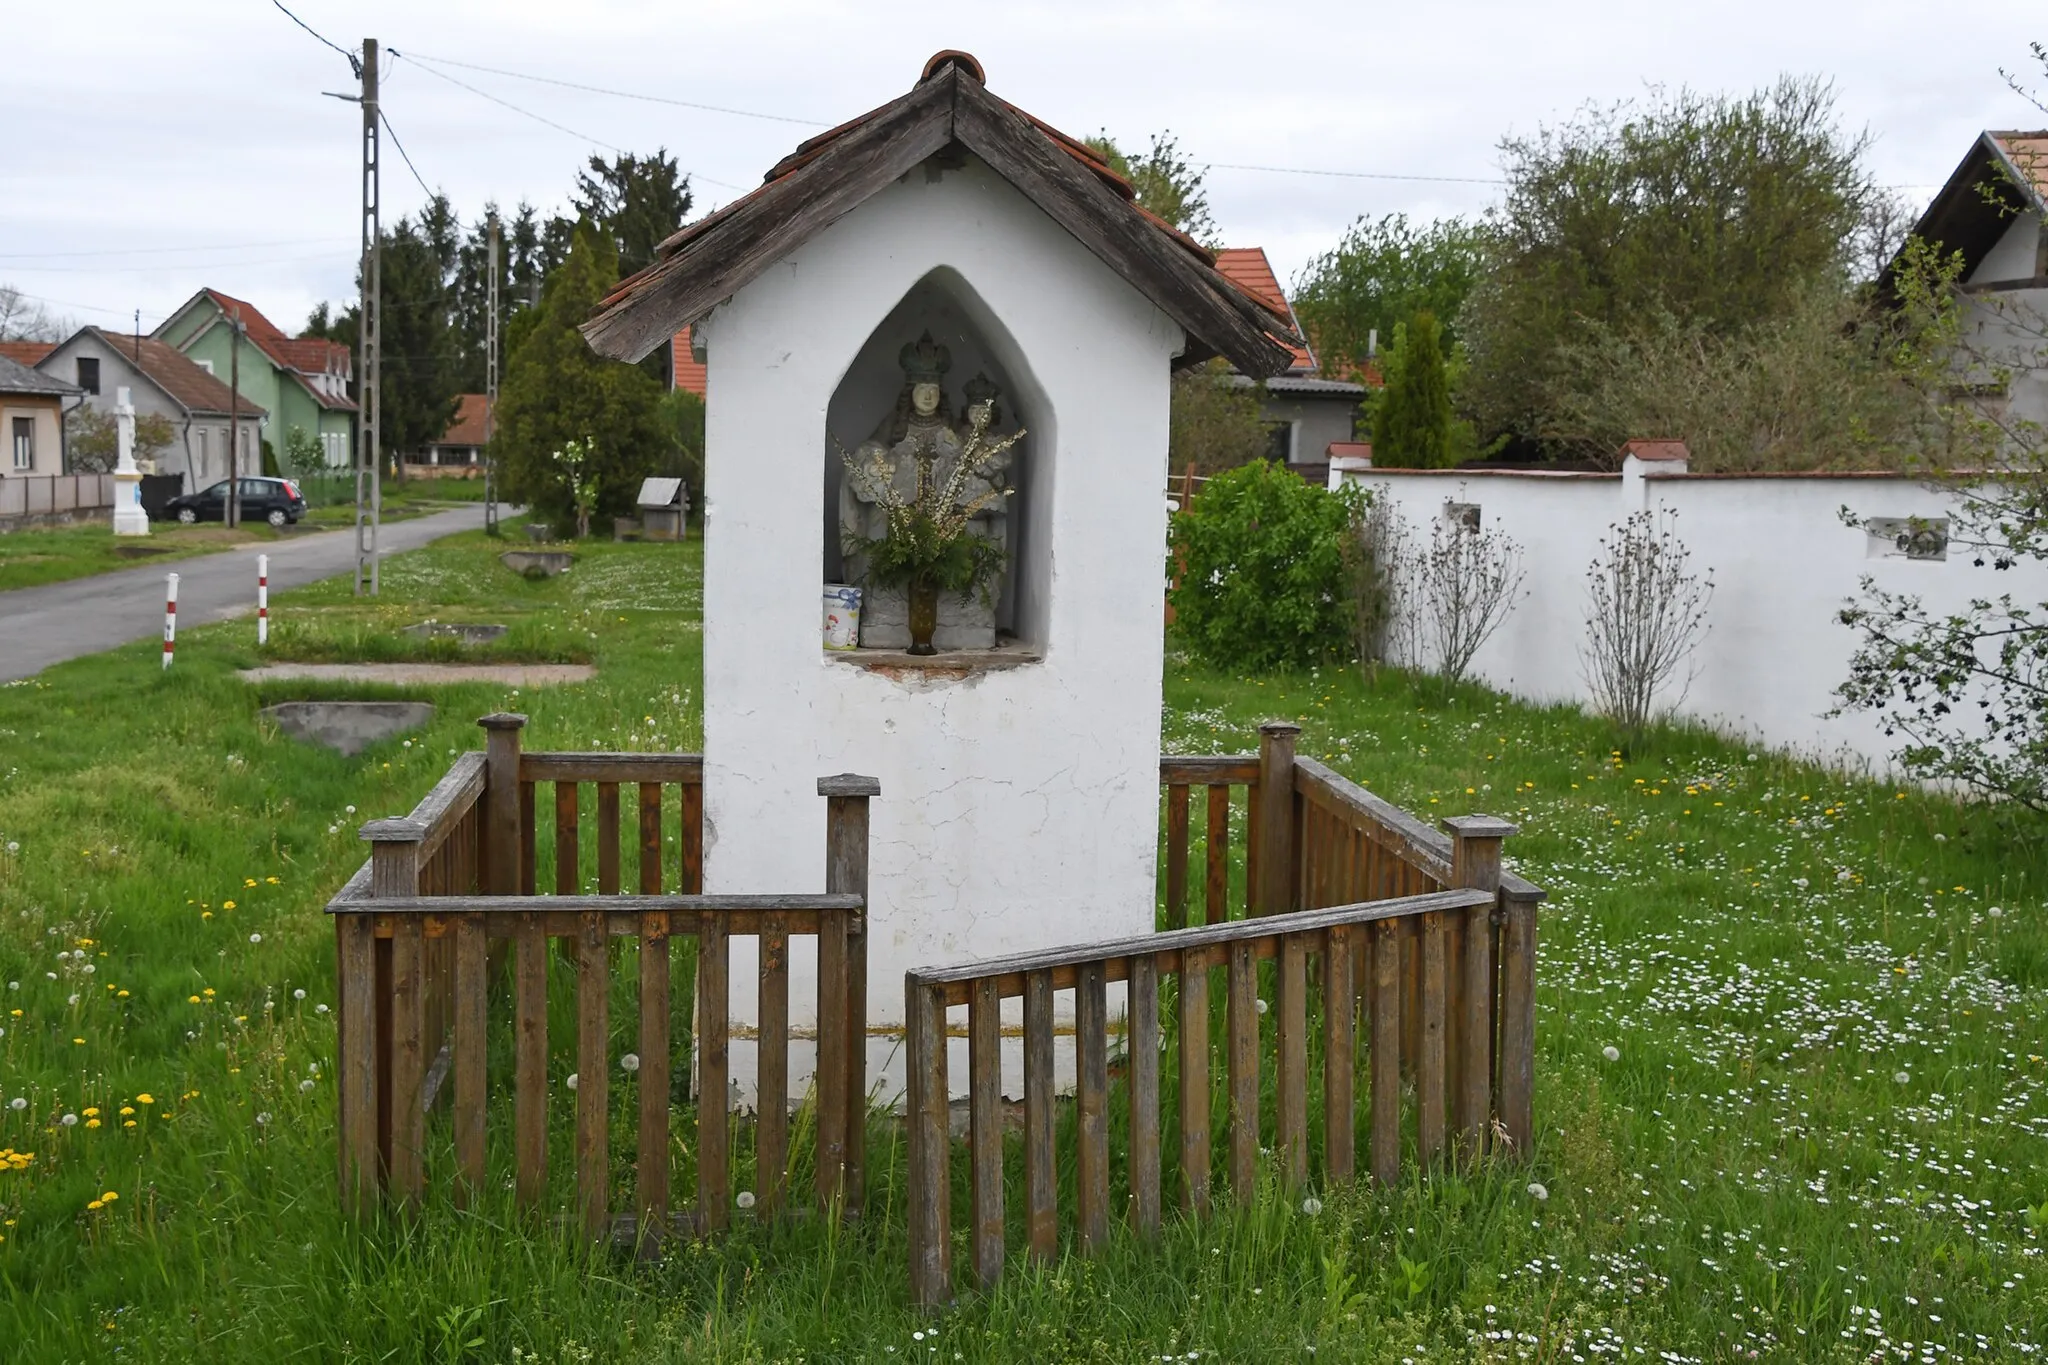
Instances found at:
x=262 y=599
x=170 y=619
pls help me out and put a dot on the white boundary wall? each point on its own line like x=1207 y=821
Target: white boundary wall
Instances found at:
x=1019 y=808
x=1784 y=564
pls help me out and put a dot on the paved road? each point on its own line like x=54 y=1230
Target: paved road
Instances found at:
x=59 y=621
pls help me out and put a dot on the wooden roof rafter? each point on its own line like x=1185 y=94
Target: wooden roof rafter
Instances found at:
x=835 y=172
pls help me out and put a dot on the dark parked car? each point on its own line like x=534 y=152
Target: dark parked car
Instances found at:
x=276 y=501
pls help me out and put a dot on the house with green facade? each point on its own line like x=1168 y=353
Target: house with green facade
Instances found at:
x=301 y=382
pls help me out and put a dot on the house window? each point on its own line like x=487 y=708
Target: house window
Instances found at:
x=89 y=373
x=24 y=443
x=1280 y=442
x=199 y=471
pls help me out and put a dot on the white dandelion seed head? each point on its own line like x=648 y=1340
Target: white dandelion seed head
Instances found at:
x=263 y=1120
x=71 y=999
x=305 y=1087
x=349 y=809
x=745 y=1199
x=17 y=1104
x=320 y=1009
x=1311 y=1206
x=1903 y=1077
x=1538 y=1193
x=1262 y=1007
x=90 y=968
x=571 y=1082
x=69 y=1120
x=1611 y=1053
x=630 y=1062
x=1995 y=912
x=334 y=829
x=255 y=938
x=14 y=845
x=1941 y=838
x=14 y=985
x=299 y=993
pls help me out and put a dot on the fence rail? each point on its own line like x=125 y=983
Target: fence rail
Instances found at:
x=42 y=495
x=427 y=924
x=1393 y=948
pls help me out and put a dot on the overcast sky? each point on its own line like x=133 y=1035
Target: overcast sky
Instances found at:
x=155 y=148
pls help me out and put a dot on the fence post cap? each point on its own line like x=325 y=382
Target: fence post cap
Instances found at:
x=502 y=720
x=1479 y=827
x=1277 y=728
x=849 y=784
x=393 y=829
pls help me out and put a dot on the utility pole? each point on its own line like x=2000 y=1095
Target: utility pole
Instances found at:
x=369 y=335
x=232 y=514
x=491 y=387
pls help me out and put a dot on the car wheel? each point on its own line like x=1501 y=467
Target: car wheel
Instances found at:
x=277 y=516
x=187 y=516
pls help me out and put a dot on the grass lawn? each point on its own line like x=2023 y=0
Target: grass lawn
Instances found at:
x=1819 y=1134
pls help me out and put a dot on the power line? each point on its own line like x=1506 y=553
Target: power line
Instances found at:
x=528 y=113
x=623 y=94
x=507 y=104
x=355 y=63
x=386 y=119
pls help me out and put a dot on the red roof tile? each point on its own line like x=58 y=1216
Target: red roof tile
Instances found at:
x=1247 y=268
x=300 y=355
x=689 y=371
x=1662 y=448
x=2028 y=153
x=27 y=352
x=468 y=427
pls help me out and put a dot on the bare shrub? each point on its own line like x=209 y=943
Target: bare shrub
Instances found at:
x=1462 y=585
x=1645 y=614
x=1376 y=558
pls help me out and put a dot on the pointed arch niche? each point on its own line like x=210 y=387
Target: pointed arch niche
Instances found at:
x=944 y=304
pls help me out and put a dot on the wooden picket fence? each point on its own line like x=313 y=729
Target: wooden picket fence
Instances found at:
x=424 y=927
x=1370 y=918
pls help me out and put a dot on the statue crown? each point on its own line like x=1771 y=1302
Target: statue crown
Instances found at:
x=924 y=360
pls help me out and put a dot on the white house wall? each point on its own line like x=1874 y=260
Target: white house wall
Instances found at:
x=1018 y=808
x=1783 y=563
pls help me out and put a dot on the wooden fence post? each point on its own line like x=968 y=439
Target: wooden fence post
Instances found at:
x=502 y=834
x=925 y=1120
x=398 y=1003
x=1518 y=1023
x=846 y=873
x=1274 y=895
x=1475 y=862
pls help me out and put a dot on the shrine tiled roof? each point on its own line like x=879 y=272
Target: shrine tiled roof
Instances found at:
x=834 y=172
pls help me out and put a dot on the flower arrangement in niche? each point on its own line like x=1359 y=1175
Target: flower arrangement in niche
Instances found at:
x=929 y=542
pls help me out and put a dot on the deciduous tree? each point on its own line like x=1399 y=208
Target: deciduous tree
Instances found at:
x=1382 y=273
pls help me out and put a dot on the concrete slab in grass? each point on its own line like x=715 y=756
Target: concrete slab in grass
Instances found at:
x=348 y=727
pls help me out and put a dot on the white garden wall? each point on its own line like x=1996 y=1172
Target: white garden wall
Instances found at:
x=1018 y=808
x=1783 y=564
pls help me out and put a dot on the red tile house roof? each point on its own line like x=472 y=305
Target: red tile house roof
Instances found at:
x=2003 y=174
x=29 y=353
x=1248 y=269
x=687 y=369
x=302 y=356
x=950 y=107
x=468 y=427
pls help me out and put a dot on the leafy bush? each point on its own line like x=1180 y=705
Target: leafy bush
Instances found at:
x=1261 y=569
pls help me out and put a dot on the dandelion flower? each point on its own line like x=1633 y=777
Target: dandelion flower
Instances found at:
x=1995 y=912
x=145 y=1098
x=1903 y=1077
x=630 y=1062
x=299 y=993
x=1263 y=1007
x=320 y=1009
x=349 y=809
x=745 y=1199
x=109 y=1197
x=571 y=1082
x=91 y=1113
x=1611 y=1053
x=69 y=1120
x=17 y=1104
x=262 y=1120
x=255 y=938
x=1538 y=1193
x=305 y=1086
x=227 y=905
x=1311 y=1206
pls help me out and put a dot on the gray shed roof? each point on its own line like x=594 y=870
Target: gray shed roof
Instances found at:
x=18 y=378
x=660 y=492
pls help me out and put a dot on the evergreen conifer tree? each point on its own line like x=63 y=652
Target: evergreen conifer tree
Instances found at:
x=1412 y=419
x=558 y=390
